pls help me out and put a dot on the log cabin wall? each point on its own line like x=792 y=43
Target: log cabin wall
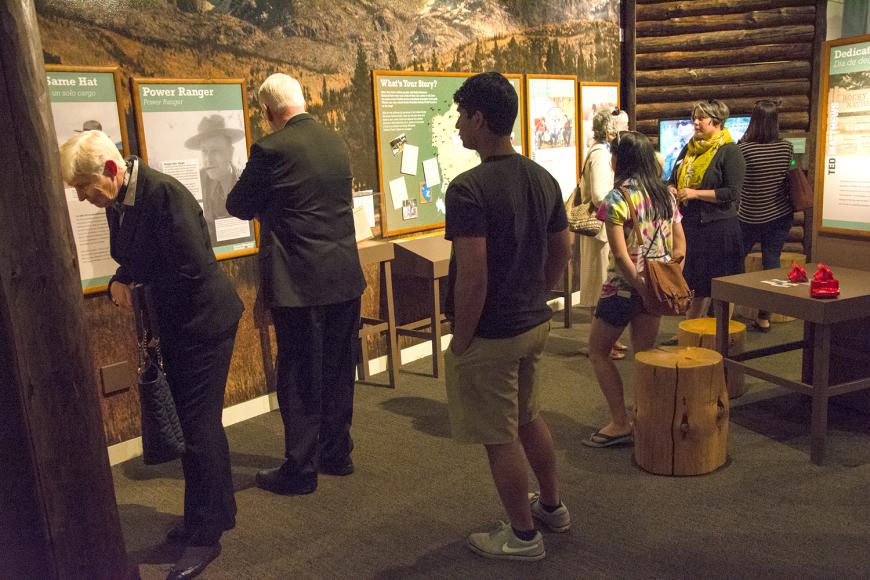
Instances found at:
x=736 y=51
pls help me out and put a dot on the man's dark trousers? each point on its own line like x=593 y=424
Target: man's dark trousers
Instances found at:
x=317 y=348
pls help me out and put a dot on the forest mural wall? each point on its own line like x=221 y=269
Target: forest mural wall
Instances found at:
x=330 y=46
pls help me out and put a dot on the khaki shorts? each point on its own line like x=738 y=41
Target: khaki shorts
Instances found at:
x=492 y=387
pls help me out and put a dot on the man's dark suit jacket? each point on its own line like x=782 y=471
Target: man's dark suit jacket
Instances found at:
x=162 y=240
x=298 y=183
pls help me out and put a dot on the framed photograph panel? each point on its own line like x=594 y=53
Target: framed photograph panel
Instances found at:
x=418 y=146
x=842 y=194
x=594 y=97
x=552 y=127
x=197 y=131
x=84 y=99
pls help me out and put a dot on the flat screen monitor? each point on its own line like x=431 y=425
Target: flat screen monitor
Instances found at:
x=675 y=133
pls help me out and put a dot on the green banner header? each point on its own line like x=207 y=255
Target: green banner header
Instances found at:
x=177 y=97
x=850 y=58
x=83 y=87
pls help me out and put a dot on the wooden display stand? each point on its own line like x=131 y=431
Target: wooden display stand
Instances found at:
x=427 y=258
x=565 y=294
x=681 y=411
x=753 y=264
x=701 y=332
x=382 y=253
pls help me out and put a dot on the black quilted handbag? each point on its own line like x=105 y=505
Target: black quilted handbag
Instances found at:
x=162 y=437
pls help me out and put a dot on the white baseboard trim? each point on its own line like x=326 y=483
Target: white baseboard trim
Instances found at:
x=132 y=448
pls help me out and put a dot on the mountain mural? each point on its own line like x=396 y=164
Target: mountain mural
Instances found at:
x=331 y=46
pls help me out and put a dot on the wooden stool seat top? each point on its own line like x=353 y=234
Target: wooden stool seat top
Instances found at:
x=679 y=358
x=708 y=326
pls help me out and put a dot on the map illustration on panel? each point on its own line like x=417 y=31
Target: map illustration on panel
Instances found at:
x=419 y=150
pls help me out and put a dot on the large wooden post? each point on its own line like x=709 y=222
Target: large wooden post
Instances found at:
x=628 y=68
x=58 y=516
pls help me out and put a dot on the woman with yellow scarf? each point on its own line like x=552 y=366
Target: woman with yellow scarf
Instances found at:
x=707 y=179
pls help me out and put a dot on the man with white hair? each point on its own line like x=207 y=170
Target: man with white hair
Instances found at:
x=298 y=184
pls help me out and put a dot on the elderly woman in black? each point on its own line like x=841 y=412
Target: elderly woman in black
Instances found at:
x=707 y=179
x=159 y=237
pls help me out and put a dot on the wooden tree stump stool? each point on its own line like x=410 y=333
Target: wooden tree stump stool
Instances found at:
x=681 y=411
x=753 y=264
x=702 y=332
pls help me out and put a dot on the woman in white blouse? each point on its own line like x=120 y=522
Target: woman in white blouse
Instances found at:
x=596 y=182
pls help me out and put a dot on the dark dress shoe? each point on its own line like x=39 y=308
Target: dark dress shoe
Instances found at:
x=340 y=469
x=278 y=481
x=193 y=561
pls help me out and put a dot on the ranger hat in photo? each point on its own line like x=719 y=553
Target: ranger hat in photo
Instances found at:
x=90 y=126
x=213 y=125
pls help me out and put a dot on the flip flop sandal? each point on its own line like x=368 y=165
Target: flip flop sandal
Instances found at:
x=619 y=346
x=599 y=439
x=616 y=355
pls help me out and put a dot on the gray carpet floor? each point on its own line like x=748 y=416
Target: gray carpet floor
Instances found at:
x=768 y=513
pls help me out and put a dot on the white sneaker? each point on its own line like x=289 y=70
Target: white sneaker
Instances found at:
x=503 y=544
x=556 y=521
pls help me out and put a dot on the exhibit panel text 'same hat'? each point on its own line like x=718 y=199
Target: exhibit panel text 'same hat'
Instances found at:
x=210 y=126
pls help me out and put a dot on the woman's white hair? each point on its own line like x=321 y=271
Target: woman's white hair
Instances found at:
x=281 y=93
x=86 y=154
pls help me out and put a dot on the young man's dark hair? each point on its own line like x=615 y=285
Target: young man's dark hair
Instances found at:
x=494 y=96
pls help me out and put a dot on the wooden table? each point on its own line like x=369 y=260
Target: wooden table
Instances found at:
x=818 y=315
x=383 y=253
x=427 y=258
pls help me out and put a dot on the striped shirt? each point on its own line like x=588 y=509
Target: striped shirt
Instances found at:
x=765 y=188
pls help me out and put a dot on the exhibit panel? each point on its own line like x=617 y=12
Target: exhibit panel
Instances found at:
x=843 y=195
x=418 y=146
x=552 y=127
x=197 y=132
x=594 y=97
x=87 y=99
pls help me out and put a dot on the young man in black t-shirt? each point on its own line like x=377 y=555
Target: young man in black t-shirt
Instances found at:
x=510 y=244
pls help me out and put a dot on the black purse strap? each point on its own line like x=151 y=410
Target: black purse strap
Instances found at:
x=147 y=326
x=634 y=220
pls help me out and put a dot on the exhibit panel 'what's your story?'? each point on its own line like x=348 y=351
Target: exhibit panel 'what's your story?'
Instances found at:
x=196 y=131
x=419 y=150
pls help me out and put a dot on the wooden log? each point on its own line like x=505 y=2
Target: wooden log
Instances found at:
x=745 y=21
x=59 y=514
x=798 y=69
x=681 y=411
x=701 y=332
x=798 y=121
x=727 y=39
x=677 y=109
x=628 y=68
x=746 y=55
x=668 y=10
x=753 y=264
x=724 y=91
